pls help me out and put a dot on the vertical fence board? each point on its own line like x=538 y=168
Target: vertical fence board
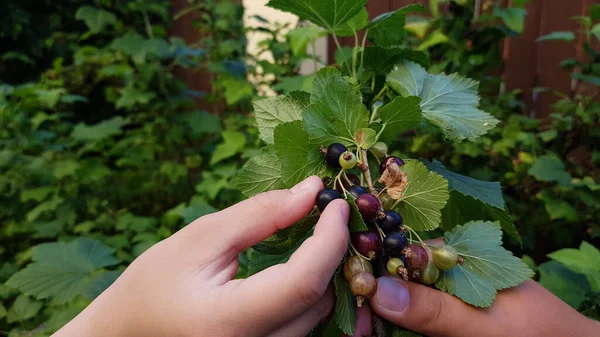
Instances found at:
x=555 y=17
x=520 y=55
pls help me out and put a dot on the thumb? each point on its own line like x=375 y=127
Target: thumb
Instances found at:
x=425 y=310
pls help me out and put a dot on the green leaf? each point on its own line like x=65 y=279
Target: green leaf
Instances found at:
x=561 y=36
x=130 y=96
x=356 y=222
x=594 y=80
x=286 y=239
x=174 y=171
x=401 y=114
x=301 y=37
x=557 y=208
x=299 y=159
x=550 y=168
x=487 y=266
x=260 y=174
x=273 y=111
x=595 y=12
x=449 y=102
x=295 y=83
x=100 y=131
x=486 y=191
x=38 y=194
x=514 y=18
x=365 y=138
x=233 y=143
x=387 y=30
x=65 y=168
x=338 y=111
x=433 y=39
x=562 y=282
x=49 y=97
x=96 y=19
x=381 y=60
x=100 y=282
x=585 y=260
x=424 y=197
x=3 y=311
x=60 y=270
x=47 y=206
x=136 y=46
x=23 y=308
x=201 y=122
x=329 y=14
x=345 y=305
x=463 y=208
x=358 y=22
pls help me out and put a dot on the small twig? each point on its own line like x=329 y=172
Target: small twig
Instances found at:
x=364 y=167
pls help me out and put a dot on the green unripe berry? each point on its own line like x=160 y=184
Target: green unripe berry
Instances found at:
x=348 y=160
x=379 y=149
x=393 y=264
x=430 y=274
x=445 y=257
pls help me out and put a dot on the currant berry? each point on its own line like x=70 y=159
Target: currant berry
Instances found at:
x=353 y=179
x=367 y=243
x=394 y=243
x=387 y=161
x=445 y=257
x=332 y=157
x=430 y=274
x=391 y=222
x=368 y=205
x=325 y=196
x=363 y=286
x=347 y=160
x=355 y=265
x=396 y=267
x=357 y=190
x=379 y=149
x=418 y=258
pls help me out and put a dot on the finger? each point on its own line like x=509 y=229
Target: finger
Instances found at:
x=251 y=221
x=364 y=326
x=303 y=324
x=282 y=292
x=426 y=310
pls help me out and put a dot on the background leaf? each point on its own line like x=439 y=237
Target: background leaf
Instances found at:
x=329 y=14
x=448 y=101
x=260 y=174
x=96 y=19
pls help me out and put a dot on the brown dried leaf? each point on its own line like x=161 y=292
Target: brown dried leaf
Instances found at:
x=394 y=179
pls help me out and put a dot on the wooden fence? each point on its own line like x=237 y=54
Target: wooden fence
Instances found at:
x=527 y=63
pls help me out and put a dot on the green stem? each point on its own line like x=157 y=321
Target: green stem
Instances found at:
x=362 y=51
x=339 y=47
x=380 y=94
x=355 y=54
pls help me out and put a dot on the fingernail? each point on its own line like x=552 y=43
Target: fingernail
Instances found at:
x=392 y=294
x=304 y=184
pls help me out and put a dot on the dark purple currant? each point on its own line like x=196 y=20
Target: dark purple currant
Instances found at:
x=332 y=157
x=394 y=243
x=368 y=206
x=357 y=190
x=367 y=243
x=418 y=258
x=391 y=222
x=325 y=196
x=387 y=161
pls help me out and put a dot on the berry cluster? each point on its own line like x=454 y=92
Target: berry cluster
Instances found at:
x=386 y=242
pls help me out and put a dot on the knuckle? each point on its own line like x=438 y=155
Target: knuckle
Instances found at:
x=312 y=290
x=266 y=201
x=436 y=305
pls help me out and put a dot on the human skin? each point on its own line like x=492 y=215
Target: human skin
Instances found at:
x=184 y=286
